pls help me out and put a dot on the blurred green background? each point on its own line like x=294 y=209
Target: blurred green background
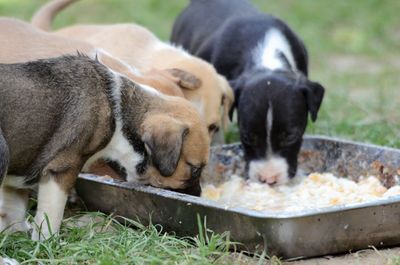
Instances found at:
x=354 y=49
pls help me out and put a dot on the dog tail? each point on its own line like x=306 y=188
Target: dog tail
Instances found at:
x=43 y=18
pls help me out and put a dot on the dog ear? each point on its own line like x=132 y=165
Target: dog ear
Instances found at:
x=164 y=136
x=236 y=85
x=227 y=101
x=314 y=94
x=185 y=79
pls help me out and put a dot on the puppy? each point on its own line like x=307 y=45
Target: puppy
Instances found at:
x=22 y=42
x=267 y=66
x=138 y=47
x=58 y=115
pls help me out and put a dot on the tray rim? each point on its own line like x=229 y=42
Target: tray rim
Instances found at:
x=332 y=139
x=248 y=212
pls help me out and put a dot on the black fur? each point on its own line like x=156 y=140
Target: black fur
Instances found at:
x=225 y=33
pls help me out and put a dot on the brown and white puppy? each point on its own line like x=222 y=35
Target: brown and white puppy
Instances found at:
x=58 y=115
x=138 y=47
x=21 y=42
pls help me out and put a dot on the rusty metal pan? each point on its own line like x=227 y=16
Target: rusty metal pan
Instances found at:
x=286 y=234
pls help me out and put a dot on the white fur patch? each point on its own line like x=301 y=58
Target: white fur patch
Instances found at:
x=100 y=51
x=151 y=90
x=271 y=171
x=178 y=48
x=8 y=261
x=118 y=149
x=13 y=207
x=269 y=129
x=13 y=181
x=267 y=51
x=51 y=204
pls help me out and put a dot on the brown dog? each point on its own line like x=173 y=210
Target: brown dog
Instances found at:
x=60 y=114
x=140 y=48
x=21 y=42
x=170 y=145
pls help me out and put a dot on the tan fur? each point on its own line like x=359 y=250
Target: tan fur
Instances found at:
x=20 y=42
x=101 y=168
x=138 y=47
x=43 y=18
x=195 y=149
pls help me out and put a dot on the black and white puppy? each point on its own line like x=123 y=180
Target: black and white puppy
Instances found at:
x=267 y=66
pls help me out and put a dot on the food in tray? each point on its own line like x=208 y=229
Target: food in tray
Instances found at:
x=308 y=192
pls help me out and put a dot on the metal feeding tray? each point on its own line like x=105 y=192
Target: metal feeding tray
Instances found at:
x=286 y=234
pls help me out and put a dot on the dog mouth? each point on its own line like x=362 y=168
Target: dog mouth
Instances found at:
x=190 y=186
x=194 y=190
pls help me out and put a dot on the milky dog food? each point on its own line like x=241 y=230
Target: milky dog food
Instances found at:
x=308 y=192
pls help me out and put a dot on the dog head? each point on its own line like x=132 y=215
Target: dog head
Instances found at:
x=273 y=111
x=207 y=90
x=171 y=139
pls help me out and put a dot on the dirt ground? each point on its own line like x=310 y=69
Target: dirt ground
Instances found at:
x=361 y=257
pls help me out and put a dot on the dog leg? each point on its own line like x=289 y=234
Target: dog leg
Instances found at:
x=56 y=182
x=13 y=207
x=51 y=203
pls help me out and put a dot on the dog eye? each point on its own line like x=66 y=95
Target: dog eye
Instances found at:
x=213 y=128
x=195 y=171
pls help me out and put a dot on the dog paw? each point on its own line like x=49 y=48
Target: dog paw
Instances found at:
x=40 y=234
x=7 y=225
x=8 y=261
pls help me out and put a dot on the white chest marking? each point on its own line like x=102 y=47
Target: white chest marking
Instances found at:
x=269 y=130
x=118 y=149
x=267 y=52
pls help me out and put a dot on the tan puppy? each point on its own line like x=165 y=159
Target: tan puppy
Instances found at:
x=21 y=42
x=138 y=47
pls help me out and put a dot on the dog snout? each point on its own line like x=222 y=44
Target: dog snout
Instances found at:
x=195 y=171
x=194 y=189
x=273 y=171
x=270 y=179
x=192 y=185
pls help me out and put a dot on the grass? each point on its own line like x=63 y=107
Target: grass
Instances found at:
x=94 y=238
x=394 y=261
x=354 y=49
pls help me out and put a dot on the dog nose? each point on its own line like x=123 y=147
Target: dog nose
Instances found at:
x=195 y=172
x=268 y=178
